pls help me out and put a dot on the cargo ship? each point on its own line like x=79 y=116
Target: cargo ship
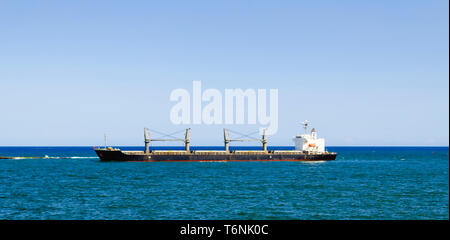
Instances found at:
x=308 y=147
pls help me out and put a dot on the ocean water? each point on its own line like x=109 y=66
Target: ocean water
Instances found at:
x=363 y=183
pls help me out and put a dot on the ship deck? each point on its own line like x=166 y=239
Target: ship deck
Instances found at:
x=215 y=152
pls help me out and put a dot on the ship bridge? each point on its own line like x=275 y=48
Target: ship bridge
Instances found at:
x=309 y=141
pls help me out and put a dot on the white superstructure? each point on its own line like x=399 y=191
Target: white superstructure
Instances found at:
x=309 y=142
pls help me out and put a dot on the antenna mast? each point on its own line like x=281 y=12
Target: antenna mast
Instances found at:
x=305 y=125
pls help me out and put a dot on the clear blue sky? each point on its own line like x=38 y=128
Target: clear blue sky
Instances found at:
x=363 y=72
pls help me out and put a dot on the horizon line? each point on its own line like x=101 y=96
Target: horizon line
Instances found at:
x=222 y=146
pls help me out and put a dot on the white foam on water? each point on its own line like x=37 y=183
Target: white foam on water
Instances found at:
x=313 y=162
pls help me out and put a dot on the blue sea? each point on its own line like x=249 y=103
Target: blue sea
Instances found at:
x=363 y=183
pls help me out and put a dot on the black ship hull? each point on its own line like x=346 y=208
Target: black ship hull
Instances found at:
x=123 y=156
